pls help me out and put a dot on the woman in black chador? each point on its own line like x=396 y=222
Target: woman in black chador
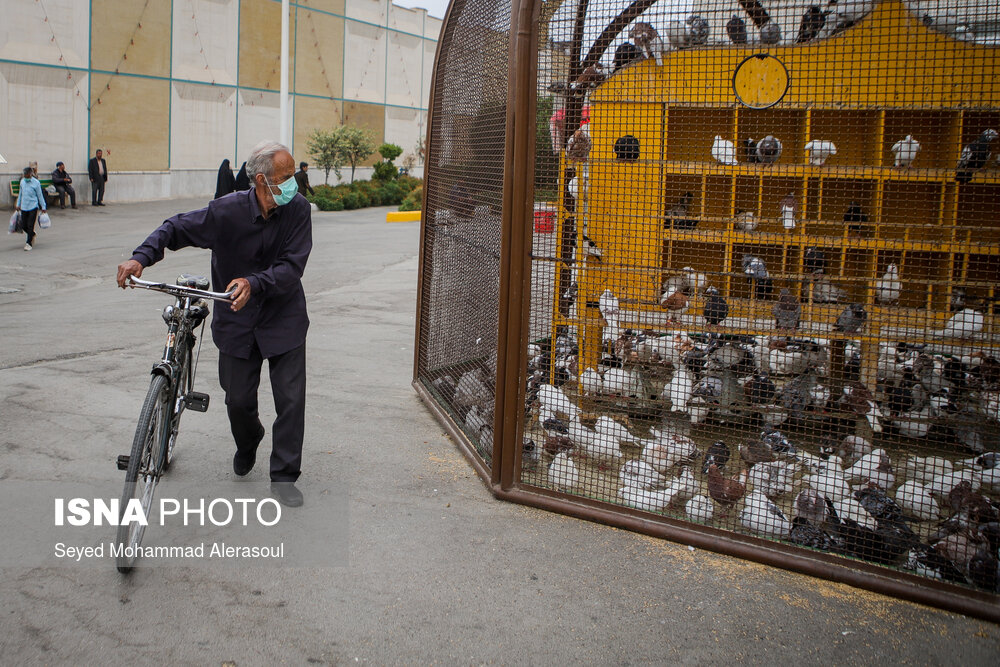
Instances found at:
x=226 y=183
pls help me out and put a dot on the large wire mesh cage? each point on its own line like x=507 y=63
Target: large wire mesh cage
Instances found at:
x=727 y=272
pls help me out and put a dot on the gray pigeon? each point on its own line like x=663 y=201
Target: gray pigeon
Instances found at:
x=787 y=311
x=770 y=33
x=974 y=156
x=756 y=271
x=736 y=28
x=851 y=319
x=768 y=150
x=698 y=30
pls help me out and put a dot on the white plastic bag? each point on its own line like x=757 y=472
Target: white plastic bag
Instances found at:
x=44 y=221
x=15 y=223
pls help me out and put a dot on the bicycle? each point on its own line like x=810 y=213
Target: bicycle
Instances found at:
x=171 y=391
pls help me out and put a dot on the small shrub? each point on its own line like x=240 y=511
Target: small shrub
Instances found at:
x=413 y=201
x=385 y=171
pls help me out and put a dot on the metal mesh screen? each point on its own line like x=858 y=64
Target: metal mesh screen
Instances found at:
x=457 y=350
x=765 y=261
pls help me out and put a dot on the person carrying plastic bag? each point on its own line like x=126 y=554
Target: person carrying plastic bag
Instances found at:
x=30 y=200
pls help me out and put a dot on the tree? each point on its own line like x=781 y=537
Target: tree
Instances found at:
x=385 y=170
x=322 y=147
x=390 y=151
x=354 y=145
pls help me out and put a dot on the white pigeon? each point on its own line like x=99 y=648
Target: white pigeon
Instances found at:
x=563 y=473
x=943 y=484
x=905 y=151
x=724 y=150
x=553 y=398
x=763 y=517
x=915 y=423
x=819 y=151
x=602 y=449
x=916 y=501
x=888 y=288
x=746 y=221
x=641 y=475
x=590 y=382
x=925 y=469
x=963 y=324
x=988 y=479
x=789 y=209
x=609 y=306
x=695 y=281
x=623 y=382
x=609 y=428
x=875 y=468
x=678 y=390
x=830 y=483
x=677 y=34
x=773 y=478
x=700 y=508
x=669 y=348
x=849 y=508
x=666 y=450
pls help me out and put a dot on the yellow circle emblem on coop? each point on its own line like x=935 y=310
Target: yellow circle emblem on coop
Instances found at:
x=760 y=81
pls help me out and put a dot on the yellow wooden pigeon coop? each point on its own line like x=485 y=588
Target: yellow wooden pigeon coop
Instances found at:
x=725 y=272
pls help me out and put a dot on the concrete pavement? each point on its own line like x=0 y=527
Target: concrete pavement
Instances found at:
x=439 y=571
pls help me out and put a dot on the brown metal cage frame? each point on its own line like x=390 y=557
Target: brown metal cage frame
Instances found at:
x=503 y=474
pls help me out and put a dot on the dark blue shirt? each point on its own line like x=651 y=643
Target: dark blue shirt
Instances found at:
x=271 y=254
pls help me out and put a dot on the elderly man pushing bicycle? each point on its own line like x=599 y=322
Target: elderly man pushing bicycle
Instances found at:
x=260 y=240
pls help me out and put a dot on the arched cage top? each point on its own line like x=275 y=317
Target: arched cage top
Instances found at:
x=726 y=271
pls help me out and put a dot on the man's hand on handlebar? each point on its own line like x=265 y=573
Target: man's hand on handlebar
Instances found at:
x=126 y=269
x=240 y=287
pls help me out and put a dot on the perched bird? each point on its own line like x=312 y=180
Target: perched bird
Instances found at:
x=768 y=150
x=590 y=382
x=974 y=156
x=756 y=272
x=694 y=281
x=905 y=151
x=772 y=478
x=763 y=517
x=810 y=506
x=609 y=306
x=813 y=260
x=675 y=217
x=718 y=454
x=964 y=324
x=824 y=291
x=698 y=30
x=665 y=450
x=786 y=311
x=563 y=473
x=678 y=34
x=855 y=217
x=916 y=501
x=700 y=508
x=626 y=54
x=591 y=248
x=857 y=399
x=674 y=301
x=789 y=211
x=648 y=40
x=724 y=151
x=678 y=390
x=888 y=288
x=723 y=490
x=578 y=146
x=749 y=151
x=593 y=445
x=812 y=22
x=850 y=509
x=851 y=318
x=875 y=468
x=591 y=77
x=736 y=28
x=745 y=221
x=716 y=308
x=830 y=484
x=770 y=33
x=820 y=151
x=641 y=475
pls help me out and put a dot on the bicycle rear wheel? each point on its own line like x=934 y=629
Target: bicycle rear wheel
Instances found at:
x=144 y=466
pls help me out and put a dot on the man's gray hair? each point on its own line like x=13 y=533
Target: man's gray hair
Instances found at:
x=261 y=160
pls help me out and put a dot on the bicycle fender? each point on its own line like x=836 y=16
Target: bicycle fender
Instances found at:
x=163 y=369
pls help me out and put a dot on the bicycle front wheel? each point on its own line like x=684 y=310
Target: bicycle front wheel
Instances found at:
x=144 y=466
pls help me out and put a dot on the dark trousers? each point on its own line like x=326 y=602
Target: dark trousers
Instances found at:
x=96 y=191
x=240 y=379
x=28 y=224
x=63 y=190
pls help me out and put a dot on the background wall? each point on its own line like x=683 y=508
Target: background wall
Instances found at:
x=170 y=89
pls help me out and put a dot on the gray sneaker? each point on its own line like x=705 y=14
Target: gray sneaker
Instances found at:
x=27 y=246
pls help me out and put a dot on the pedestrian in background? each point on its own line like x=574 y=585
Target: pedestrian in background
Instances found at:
x=62 y=181
x=242 y=180
x=302 y=179
x=98 y=171
x=30 y=199
x=226 y=182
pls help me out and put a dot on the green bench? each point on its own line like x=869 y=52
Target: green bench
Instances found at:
x=15 y=190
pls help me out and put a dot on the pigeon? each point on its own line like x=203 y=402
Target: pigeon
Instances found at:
x=905 y=151
x=724 y=151
x=789 y=211
x=589 y=382
x=675 y=217
x=812 y=22
x=770 y=33
x=648 y=40
x=641 y=475
x=593 y=76
x=563 y=473
x=626 y=54
x=851 y=318
x=678 y=390
x=813 y=260
x=578 y=146
x=763 y=517
x=916 y=501
x=694 y=281
x=825 y=291
x=698 y=30
x=974 y=156
x=716 y=308
x=718 y=454
x=700 y=508
x=736 y=28
x=674 y=301
x=963 y=324
x=888 y=288
x=768 y=150
x=756 y=271
x=819 y=151
x=787 y=311
x=749 y=152
x=855 y=217
x=746 y=221
x=609 y=306
x=956 y=301
x=593 y=250
x=677 y=34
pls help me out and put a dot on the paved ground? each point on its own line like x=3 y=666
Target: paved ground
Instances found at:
x=439 y=571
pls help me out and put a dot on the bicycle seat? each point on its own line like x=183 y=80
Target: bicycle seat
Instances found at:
x=189 y=280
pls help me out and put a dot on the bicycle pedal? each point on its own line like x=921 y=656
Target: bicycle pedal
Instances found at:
x=123 y=460
x=196 y=401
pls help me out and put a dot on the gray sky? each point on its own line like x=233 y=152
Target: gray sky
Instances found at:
x=435 y=8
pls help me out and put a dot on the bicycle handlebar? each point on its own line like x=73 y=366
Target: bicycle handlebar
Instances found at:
x=179 y=290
